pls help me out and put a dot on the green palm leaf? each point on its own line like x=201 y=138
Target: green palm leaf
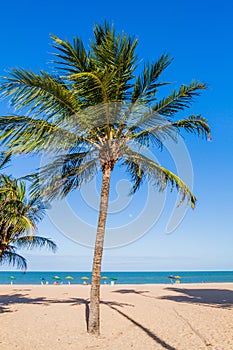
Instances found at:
x=160 y=177
x=73 y=58
x=178 y=100
x=64 y=175
x=114 y=54
x=14 y=259
x=25 y=134
x=4 y=159
x=156 y=130
x=40 y=93
x=146 y=85
x=31 y=242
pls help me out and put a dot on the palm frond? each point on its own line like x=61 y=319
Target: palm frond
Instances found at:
x=146 y=84
x=30 y=242
x=194 y=124
x=35 y=209
x=178 y=100
x=24 y=134
x=14 y=259
x=11 y=189
x=93 y=86
x=114 y=54
x=64 y=174
x=39 y=93
x=5 y=157
x=149 y=139
x=160 y=177
x=21 y=223
x=136 y=173
x=151 y=129
x=155 y=132
x=111 y=50
x=72 y=58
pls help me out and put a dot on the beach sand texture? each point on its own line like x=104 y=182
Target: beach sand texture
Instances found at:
x=173 y=317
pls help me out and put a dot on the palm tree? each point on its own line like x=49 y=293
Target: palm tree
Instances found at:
x=97 y=113
x=18 y=218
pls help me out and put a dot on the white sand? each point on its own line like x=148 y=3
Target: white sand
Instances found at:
x=178 y=317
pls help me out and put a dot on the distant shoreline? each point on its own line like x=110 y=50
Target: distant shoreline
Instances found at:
x=166 y=277
x=64 y=285
x=110 y=271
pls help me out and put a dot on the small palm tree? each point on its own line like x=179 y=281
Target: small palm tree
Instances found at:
x=97 y=113
x=18 y=218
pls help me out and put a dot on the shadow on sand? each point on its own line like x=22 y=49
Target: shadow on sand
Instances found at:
x=6 y=301
x=131 y=291
x=145 y=330
x=134 y=291
x=220 y=298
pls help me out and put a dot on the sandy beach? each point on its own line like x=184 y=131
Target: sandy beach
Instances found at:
x=174 y=317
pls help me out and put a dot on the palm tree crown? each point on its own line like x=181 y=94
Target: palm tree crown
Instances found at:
x=18 y=219
x=95 y=110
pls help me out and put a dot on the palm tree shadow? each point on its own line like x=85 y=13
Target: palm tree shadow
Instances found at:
x=144 y=329
x=113 y=304
x=219 y=298
x=129 y=291
x=134 y=291
x=6 y=301
x=9 y=300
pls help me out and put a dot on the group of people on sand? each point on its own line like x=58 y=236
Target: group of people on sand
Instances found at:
x=57 y=283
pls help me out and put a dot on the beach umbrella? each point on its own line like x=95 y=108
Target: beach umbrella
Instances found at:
x=12 y=278
x=69 y=278
x=85 y=278
x=172 y=278
x=56 y=277
x=104 y=278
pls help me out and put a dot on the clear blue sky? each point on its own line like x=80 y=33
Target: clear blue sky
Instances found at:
x=198 y=35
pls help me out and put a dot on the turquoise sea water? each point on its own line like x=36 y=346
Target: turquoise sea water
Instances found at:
x=122 y=277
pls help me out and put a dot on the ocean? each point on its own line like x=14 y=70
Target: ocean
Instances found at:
x=39 y=277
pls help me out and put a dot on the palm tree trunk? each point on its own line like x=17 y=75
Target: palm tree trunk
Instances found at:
x=94 y=314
